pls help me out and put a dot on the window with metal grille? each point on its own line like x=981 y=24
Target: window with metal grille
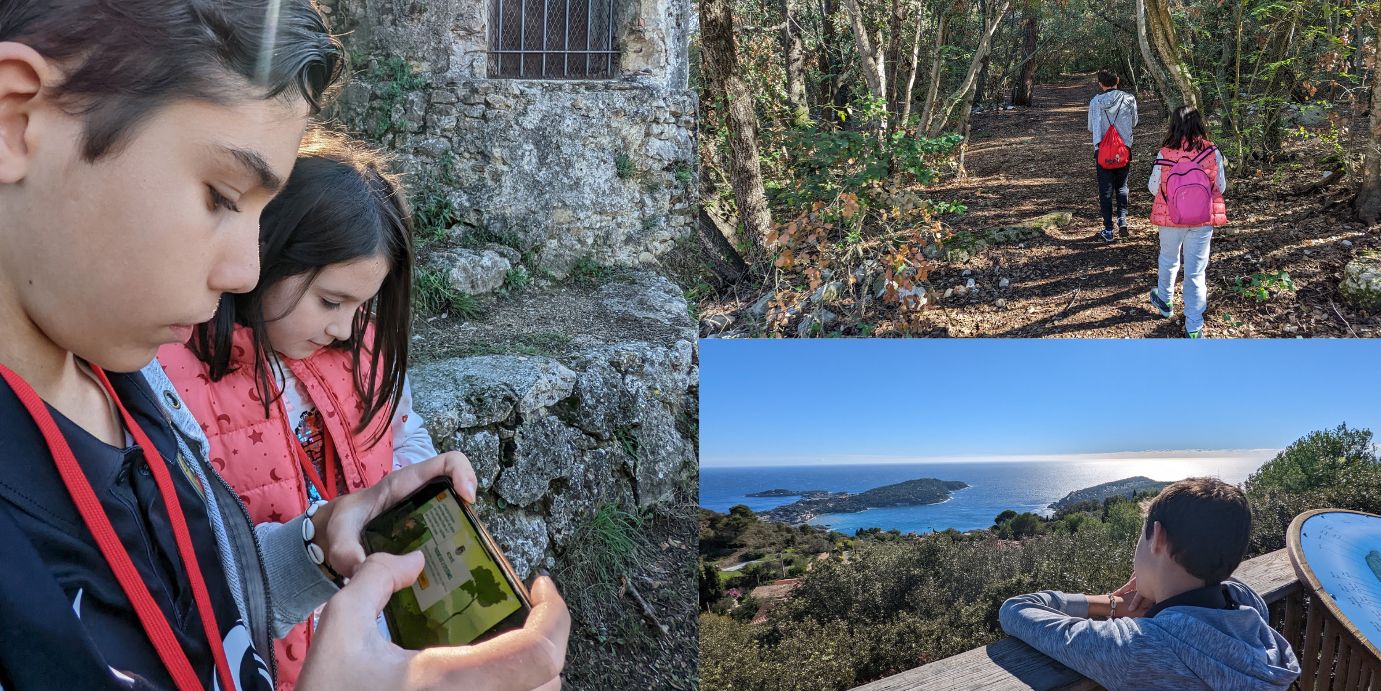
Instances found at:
x=552 y=39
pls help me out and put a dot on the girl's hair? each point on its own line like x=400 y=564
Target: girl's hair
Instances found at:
x=1107 y=77
x=339 y=205
x=1186 y=130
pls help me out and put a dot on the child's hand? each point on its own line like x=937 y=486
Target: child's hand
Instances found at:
x=349 y=653
x=1132 y=603
x=339 y=523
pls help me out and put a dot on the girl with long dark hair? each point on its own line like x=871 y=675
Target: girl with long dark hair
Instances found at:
x=301 y=383
x=1188 y=181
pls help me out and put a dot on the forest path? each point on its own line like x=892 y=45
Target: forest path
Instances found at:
x=1025 y=162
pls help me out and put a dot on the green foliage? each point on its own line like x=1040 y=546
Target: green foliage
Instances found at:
x=683 y=173
x=1262 y=286
x=827 y=163
x=623 y=166
x=711 y=587
x=739 y=536
x=396 y=78
x=516 y=278
x=944 y=207
x=900 y=603
x=627 y=438
x=433 y=212
x=694 y=294
x=1337 y=468
x=1021 y=526
x=608 y=547
x=589 y=272
x=432 y=294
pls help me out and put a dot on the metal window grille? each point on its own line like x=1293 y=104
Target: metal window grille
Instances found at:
x=552 y=39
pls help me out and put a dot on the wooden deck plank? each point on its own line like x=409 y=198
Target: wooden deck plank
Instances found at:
x=1006 y=664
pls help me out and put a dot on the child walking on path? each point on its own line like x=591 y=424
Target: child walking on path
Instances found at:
x=1111 y=112
x=1188 y=180
x=305 y=375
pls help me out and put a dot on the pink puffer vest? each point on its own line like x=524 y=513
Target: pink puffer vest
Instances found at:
x=1160 y=211
x=255 y=454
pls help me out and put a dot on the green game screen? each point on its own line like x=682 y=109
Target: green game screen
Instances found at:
x=461 y=592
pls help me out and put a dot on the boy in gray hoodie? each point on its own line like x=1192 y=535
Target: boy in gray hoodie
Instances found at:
x=1181 y=622
x=1111 y=107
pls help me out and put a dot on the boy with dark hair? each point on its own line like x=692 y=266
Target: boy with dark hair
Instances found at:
x=1182 y=622
x=139 y=142
x=1115 y=110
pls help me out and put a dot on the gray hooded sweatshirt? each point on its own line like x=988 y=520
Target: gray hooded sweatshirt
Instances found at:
x=1112 y=107
x=1179 y=647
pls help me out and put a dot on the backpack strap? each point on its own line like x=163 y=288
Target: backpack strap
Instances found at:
x=1199 y=159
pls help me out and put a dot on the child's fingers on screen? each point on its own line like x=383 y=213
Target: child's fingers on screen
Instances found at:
x=363 y=598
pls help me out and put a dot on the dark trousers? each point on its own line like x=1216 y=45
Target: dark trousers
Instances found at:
x=1112 y=182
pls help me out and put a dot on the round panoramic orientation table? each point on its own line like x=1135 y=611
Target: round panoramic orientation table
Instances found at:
x=1337 y=556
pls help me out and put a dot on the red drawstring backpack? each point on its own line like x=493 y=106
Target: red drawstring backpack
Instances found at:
x=1112 y=151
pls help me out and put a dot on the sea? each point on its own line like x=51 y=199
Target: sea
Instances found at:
x=994 y=486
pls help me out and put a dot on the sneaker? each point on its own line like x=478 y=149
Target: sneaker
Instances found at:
x=1197 y=333
x=1162 y=307
x=1124 y=231
x=1106 y=235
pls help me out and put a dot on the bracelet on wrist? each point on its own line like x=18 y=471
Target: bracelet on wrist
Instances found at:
x=314 y=551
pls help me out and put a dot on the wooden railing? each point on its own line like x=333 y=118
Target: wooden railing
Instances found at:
x=1010 y=664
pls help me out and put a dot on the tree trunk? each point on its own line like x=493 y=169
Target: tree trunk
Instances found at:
x=980 y=88
x=963 y=96
x=894 y=55
x=1369 y=196
x=1153 y=63
x=1357 y=49
x=835 y=96
x=911 y=65
x=936 y=62
x=869 y=54
x=963 y=172
x=793 y=55
x=1162 y=33
x=722 y=69
x=717 y=247
x=1025 y=87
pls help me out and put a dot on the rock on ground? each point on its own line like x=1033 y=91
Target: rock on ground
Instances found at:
x=1361 y=284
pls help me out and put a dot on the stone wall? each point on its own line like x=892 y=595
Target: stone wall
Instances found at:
x=553 y=438
x=559 y=169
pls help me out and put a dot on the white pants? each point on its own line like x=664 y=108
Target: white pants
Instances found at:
x=1193 y=242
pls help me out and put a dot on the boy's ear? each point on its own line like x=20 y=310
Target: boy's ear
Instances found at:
x=22 y=72
x=1158 y=541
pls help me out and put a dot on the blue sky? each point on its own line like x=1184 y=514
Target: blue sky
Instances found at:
x=789 y=402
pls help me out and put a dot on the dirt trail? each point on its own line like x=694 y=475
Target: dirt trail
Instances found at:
x=1028 y=161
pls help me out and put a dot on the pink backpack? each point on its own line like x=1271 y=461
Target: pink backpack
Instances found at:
x=1188 y=191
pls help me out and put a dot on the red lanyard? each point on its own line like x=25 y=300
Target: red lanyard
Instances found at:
x=329 y=461
x=117 y=557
